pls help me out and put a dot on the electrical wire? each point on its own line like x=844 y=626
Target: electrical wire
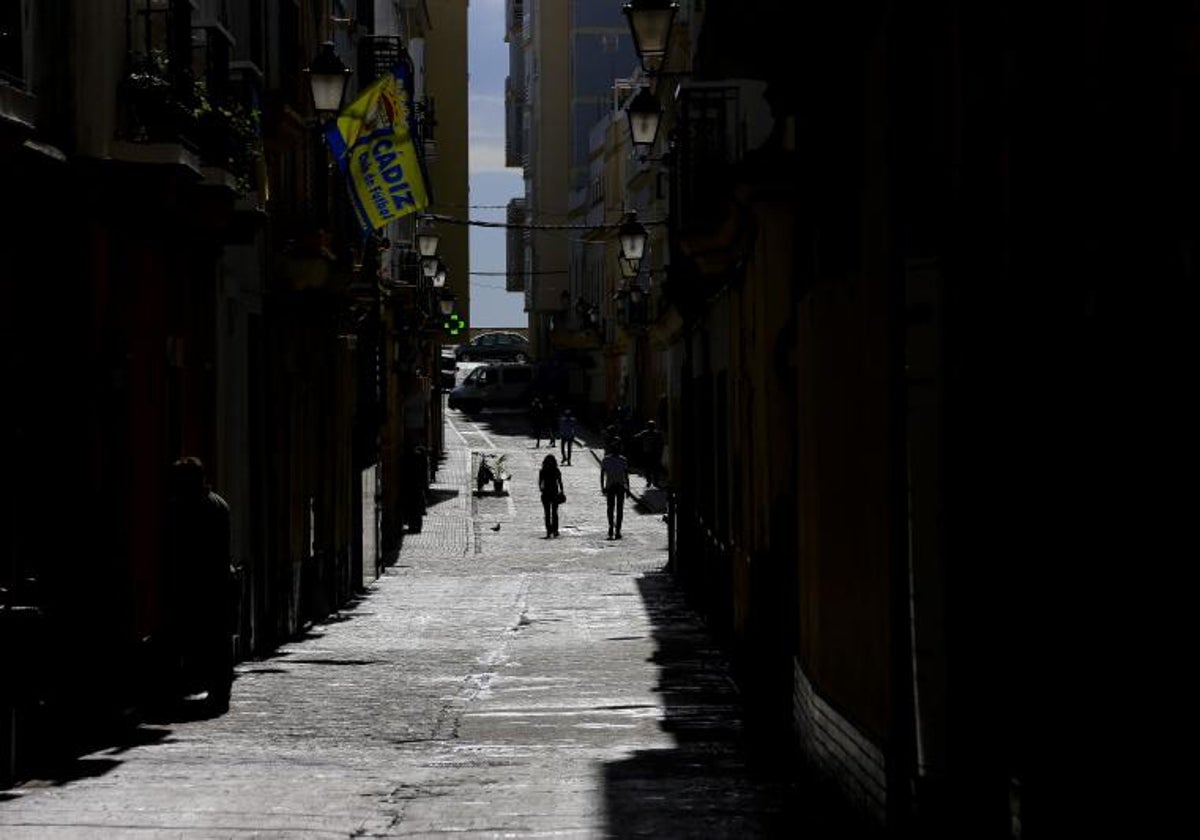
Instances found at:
x=479 y=223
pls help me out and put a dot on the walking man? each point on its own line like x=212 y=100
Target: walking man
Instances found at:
x=614 y=484
x=566 y=432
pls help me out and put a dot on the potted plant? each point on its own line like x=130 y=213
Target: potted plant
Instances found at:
x=229 y=135
x=499 y=474
x=155 y=112
x=491 y=468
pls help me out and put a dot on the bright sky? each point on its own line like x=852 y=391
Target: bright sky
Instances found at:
x=490 y=182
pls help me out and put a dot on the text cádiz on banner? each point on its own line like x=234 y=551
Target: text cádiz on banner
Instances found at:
x=371 y=140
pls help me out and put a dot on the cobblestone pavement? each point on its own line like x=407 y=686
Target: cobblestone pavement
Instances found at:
x=493 y=683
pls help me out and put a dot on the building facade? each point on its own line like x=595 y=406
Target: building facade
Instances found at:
x=206 y=291
x=888 y=302
x=569 y=87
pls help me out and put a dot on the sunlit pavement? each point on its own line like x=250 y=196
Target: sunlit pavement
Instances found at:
x=493 y=683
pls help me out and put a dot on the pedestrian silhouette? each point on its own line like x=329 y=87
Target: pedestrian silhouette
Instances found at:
x=537 y=421
x=200 y=580
x=614 y=484
x=566 y=431
x=550 y=483
x=651 y=442
x=550 y=415
x=612 y=436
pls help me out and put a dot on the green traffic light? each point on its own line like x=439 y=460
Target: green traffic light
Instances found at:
x=453 y=325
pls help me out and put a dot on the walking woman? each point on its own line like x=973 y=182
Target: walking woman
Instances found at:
x=551 y=485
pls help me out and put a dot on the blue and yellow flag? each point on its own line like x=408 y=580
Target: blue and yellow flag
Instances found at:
x=371 y=141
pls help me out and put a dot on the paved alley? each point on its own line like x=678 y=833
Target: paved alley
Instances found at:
x=492 y=683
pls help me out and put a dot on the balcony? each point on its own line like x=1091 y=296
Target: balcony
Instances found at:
x=228 y=135
x=717 y=124
x=377 y=55
x=156 y=107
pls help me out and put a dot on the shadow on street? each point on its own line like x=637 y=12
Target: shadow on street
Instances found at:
x=70 y=757
x=717 y=781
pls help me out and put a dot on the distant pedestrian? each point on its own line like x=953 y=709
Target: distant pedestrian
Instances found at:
x=550 y=413
x=537 y=421
x=614 y=484
x=625 y=421
x=551 y=486
x=566 y=431
x=612 y=436
x=651 y=441
x=200 y=575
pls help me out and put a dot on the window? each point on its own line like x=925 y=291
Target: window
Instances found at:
x=150 y=29
x=211 y=52
x=598 y=59
x=160 y=38
x=365 y=13
x=596 y=13
x=256 y=33
x=12 y=56
x=288 y=67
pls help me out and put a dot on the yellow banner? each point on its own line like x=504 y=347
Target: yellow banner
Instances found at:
x=373 y=146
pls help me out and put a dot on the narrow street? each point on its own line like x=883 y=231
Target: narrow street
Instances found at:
x=491 y=683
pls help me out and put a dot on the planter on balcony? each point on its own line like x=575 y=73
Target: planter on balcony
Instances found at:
x=228 y=137
x=155 y=112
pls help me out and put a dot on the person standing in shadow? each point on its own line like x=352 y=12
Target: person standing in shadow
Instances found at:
x=551 y=484
x=201 y=575
x=614 y=484
x=651 y=440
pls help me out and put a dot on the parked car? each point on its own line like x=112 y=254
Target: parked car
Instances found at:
x=494 y=385
x=495 y=346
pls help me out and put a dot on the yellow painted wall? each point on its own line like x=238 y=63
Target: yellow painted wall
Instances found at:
x=446 y=84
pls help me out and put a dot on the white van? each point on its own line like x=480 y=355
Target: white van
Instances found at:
x=494 y=386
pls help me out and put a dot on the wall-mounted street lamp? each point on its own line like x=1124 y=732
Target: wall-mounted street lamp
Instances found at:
x=650 y=22
x=327 y=76
x=633 y=306
x=439 y=276
x=633 y=240
x=430 y=266
x=446 y=304
x=628 y=269
x=644 y=114
x=427 y=240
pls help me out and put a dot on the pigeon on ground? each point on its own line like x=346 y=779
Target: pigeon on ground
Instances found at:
x=496 y=527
